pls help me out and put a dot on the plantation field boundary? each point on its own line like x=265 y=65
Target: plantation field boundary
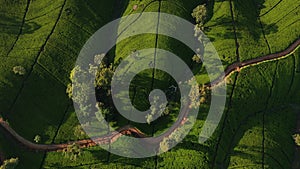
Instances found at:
x=237 y=45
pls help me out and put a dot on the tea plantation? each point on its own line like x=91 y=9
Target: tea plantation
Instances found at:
x=45 y=37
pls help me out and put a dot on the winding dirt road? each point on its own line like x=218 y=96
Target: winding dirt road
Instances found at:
x=238 y=65
x=126 y=130
x=129 y=130
x=106 y=139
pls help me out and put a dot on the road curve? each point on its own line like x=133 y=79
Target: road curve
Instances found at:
x=106 y=139
x=129 y=130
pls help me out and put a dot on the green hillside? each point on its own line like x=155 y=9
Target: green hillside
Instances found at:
x=45 y=37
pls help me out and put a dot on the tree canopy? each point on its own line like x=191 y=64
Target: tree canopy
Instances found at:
x=20 y=70
x=37 y=138
x=156 y=108
x=297 y=139
x=10 y=163
x=72 y=152
x=200 y=14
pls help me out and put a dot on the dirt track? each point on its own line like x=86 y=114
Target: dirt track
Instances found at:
x=129 y=130
x=238 y=65
x=126 y=130
x=106 y=139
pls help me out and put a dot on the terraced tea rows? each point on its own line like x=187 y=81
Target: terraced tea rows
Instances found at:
x=46 y=37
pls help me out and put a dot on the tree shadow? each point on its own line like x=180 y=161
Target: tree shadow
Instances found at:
x=248 y=13
x=237 y=125
x=246 y=18
x=210 y=9
x=12 y=25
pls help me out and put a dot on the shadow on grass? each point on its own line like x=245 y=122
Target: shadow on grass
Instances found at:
x=246 y=18
x=12 y=25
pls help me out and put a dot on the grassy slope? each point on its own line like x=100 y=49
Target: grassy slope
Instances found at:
x=282 y=23
x=38 y=118
x=95 y=157
x=183 y=155
x=278 y=124
x=245 y=119
x=245 y=150
x=47 y=48
x=250 y=34
x=279 y=25
x=245 y=94
x=220 y=31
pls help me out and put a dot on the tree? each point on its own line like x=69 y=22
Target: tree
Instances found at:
x=205 y=94
x=72 y=151
x=102 y=112
x=175 y=137
x=155 y=108
x=200 y=13
x=202 y=99
x=98 y=59
x=103 y=72
x=19 y=70
x=37 y=139
x=80 y=90
x=297 y=139
x=10 y=163
x=79 y=132
x=135 y=54
x=194 y=95
x=104 y=76
x=149 y=118
x=77 y=76
x=164 y=145
x=196 y=58
x=69 y=90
